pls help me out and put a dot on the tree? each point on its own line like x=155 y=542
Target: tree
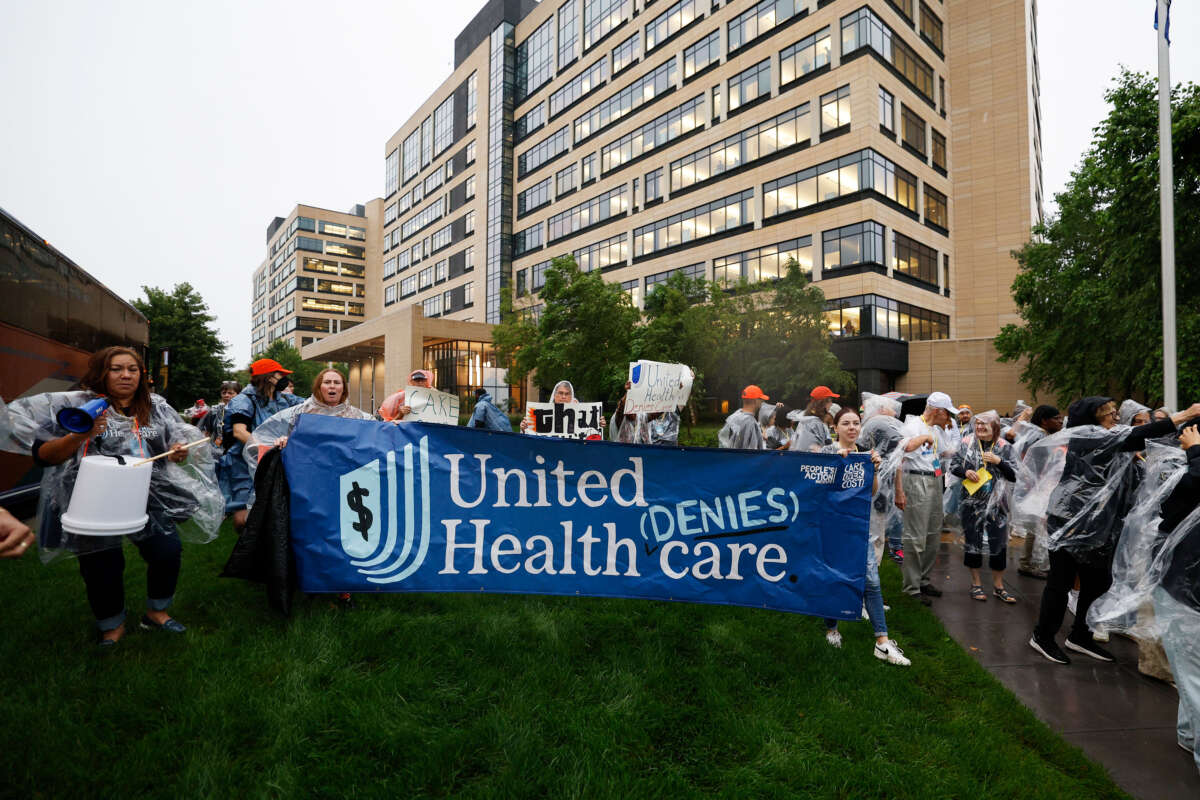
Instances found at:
x=583 y=335
x=1089 y=286
x=180 y=322
x=776 y=338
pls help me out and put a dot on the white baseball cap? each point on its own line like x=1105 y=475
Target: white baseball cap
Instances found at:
x=940 y=400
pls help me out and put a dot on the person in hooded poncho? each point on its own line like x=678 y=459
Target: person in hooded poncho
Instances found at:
x=248 y=409
x=812 y=432
x=987 y=461
x=1044 y=420
x=741 y=430
x=136 y=425
x=394 y=408
x=778 y=433
x=642 y=427
x=1088 y=470
x=1133 y=413
x=882 y=433
x=564 y=392
x=486 y=415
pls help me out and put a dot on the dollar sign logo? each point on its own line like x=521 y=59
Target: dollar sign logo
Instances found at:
x=354 y=500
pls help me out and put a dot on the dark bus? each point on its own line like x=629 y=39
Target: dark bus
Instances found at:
x=53 y=316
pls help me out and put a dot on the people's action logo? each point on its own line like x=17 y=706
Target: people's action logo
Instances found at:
x=369 y=528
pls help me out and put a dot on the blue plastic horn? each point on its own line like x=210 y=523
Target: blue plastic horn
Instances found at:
x=80 y=420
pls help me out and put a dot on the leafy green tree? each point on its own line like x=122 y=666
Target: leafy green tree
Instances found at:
x=583 y=335
x=1089 y=286
x=180 y=322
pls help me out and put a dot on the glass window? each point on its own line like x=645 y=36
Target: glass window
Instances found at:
x=566 y=180
x=443 y=125
x=568 y=33
x=412 y=155
x=654 y=184
x=931 y=27
x=472 y=100
x=535 y=64
x=701 y=54
x=861 y=243
x=469 y=187
x=391 y=172
x=579 y=87
x=536 y=196
x=912 y=129
x=759 y=21
x=624 y=102
x=911 y=258
x=590 y=212
x=625 y=53
x=758 y=141
x=750 y=84
x=549 y=148
x=633 y=290
x=610 y=252
x=469 y=222
x=601 y=16
x=935 y=207
x=426 y=142
x=863 y=28
x=887 y=109
x=527 y=240
x=668 y=23
x=766 y=263
x=693 y=225
x=529 y=122
x=806 y=55
x=835 y=109
x=939 y=149
x=659 y=131
x=587 y=168
x=321 y=265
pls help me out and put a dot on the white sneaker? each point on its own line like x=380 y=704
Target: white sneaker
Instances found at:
x=1072 y=600
x=1100 y=635
x=891 y=653
x=886 y=607
x=834 y=637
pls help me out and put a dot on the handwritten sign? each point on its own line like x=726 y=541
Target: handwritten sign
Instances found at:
x=430 y=405
x=565 y=420
x=657 y=387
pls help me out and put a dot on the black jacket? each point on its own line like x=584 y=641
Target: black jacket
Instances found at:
x=1182 y=577
x=264 y=552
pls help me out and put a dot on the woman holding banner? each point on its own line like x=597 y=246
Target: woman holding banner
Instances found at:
x=136 y=425
x=847 y=427
x=328 y=398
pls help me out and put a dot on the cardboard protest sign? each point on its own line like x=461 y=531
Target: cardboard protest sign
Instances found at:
x=657 y=387
x=430 y=405
x=565 y=420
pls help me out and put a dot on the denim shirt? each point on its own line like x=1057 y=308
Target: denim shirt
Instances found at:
x=249 y=404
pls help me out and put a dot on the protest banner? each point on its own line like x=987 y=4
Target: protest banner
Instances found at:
x=657 y=387
x=431 y=508
x=430 y=405
x=565 y=420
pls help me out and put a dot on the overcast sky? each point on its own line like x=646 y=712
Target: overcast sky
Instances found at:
x=153 y=141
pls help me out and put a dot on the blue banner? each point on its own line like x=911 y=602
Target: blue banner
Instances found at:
x=420 y=507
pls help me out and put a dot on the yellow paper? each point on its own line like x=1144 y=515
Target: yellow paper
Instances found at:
x=973 y=486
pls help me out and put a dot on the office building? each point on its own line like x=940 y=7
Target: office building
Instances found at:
x=720 y=140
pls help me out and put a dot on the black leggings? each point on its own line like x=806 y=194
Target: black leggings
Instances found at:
x=975 y=523
x=104 y=570
x=1094 y=580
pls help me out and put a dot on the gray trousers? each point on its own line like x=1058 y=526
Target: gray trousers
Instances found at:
x=922 y=529
x=1181 y=639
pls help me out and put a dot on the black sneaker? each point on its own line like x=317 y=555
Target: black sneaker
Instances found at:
x=1088 y=648
x=931 y=591
x=1049 y=649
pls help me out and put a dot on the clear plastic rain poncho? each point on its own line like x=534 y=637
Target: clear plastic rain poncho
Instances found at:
x=279 y=425
x=662 y=428
x=1130 y=409
x=881 y=432
x=1148 y=558
x=184 y=498
x=989 y=506
x=1077 y=483
x=811 y=432
x=741 y=431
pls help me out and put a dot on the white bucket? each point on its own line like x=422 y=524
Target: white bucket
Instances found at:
x=109 y=499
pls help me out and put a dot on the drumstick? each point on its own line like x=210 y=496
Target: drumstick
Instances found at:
x=187 y=446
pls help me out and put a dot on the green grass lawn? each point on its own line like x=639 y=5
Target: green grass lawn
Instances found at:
x=482 y=696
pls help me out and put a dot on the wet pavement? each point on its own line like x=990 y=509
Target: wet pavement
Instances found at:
x=1118 y=717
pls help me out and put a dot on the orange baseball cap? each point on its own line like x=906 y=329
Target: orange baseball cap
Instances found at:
x=822 y=392
x=266 y=365
x=752 y=392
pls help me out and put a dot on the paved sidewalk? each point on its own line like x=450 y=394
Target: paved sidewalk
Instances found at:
x=1118 y=717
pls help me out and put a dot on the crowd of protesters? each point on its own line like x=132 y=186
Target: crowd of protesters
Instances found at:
x=1102 y=500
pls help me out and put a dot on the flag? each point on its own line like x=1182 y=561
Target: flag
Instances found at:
x=1167 y=27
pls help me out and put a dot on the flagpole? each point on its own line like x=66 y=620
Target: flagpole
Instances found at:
x=1166 y=198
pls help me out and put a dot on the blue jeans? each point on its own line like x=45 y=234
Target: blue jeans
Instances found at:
x=1181 y=639
x=895 y=533
x=872 y=597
